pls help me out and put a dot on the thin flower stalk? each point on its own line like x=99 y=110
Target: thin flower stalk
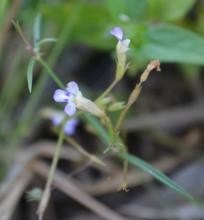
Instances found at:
x=80 y=149
x=122 y=48
x=46 y=194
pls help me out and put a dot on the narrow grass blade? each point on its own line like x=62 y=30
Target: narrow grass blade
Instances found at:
x=37 y=32
x=100 y=131
x=47 y=40
x=30 y=74
x=103 y=135
x=157 y=175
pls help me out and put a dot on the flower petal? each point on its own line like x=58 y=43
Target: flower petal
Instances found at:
x=60 y=96
x=57 y=119
x=117 y=32
x=70 y=108
x=72 y=87
x=70 y=126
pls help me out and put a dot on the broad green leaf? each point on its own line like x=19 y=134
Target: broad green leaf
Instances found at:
x=163 y=10
x=134 y=9
x=166 y=10
x=30 y=74
x=171 y=44
x=36 y=32
x=116 y=8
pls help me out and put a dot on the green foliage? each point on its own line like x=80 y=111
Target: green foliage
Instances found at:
x=100 y=131
x=162 y=10
x=102 y=134
x=91 y=24
x=157 y=175
x=30 y=74
x=166 y=10
x=165 y=41
x=134 y=9
x=37 y=32
x=171 y=44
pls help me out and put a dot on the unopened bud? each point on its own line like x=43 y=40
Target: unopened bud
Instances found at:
x=88 y=106
x=155 y=64
x=116 y=106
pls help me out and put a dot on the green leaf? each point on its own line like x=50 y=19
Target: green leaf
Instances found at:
x=100 y=131
x=102 y=134
x=169 y=43
x=116 y=9
x=162 y=10
x=134 y=9
x=166 y=10
x=36 y=32
x=47 y=40
x=30 y=74
x=92 y=24
x=157 y=175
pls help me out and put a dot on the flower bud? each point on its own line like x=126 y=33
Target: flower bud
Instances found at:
x=116 y=106
x=121 y=50
x=87 y=105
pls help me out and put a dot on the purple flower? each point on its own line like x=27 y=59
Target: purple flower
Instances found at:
x=123 y=44
x=70 y=125
x=74 y=99
x=117 y=32
x=68 y=96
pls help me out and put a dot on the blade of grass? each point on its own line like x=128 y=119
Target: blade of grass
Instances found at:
x=36 y=32
x=103 y=135
x=30 y=74
x=136 y=161
x=100 y=131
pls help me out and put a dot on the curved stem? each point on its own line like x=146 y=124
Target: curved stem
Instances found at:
x=121 y=118
x=51 y=73
x=107 y=91
x=46 y=195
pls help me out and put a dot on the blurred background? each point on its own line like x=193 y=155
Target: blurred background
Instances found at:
x=164 y=127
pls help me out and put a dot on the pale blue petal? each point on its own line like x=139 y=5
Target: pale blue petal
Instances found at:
x=117 y=32
x=57 y=119
x=70 y=109
x=70 y=126
x=72 y=87
x=60 y=95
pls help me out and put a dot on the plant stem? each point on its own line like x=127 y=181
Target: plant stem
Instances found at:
x=51 y=73
x=107 y=91
x=27 y=114
x=121 y=118
x=81 y=150
x=45 y=198
x=91 y=157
